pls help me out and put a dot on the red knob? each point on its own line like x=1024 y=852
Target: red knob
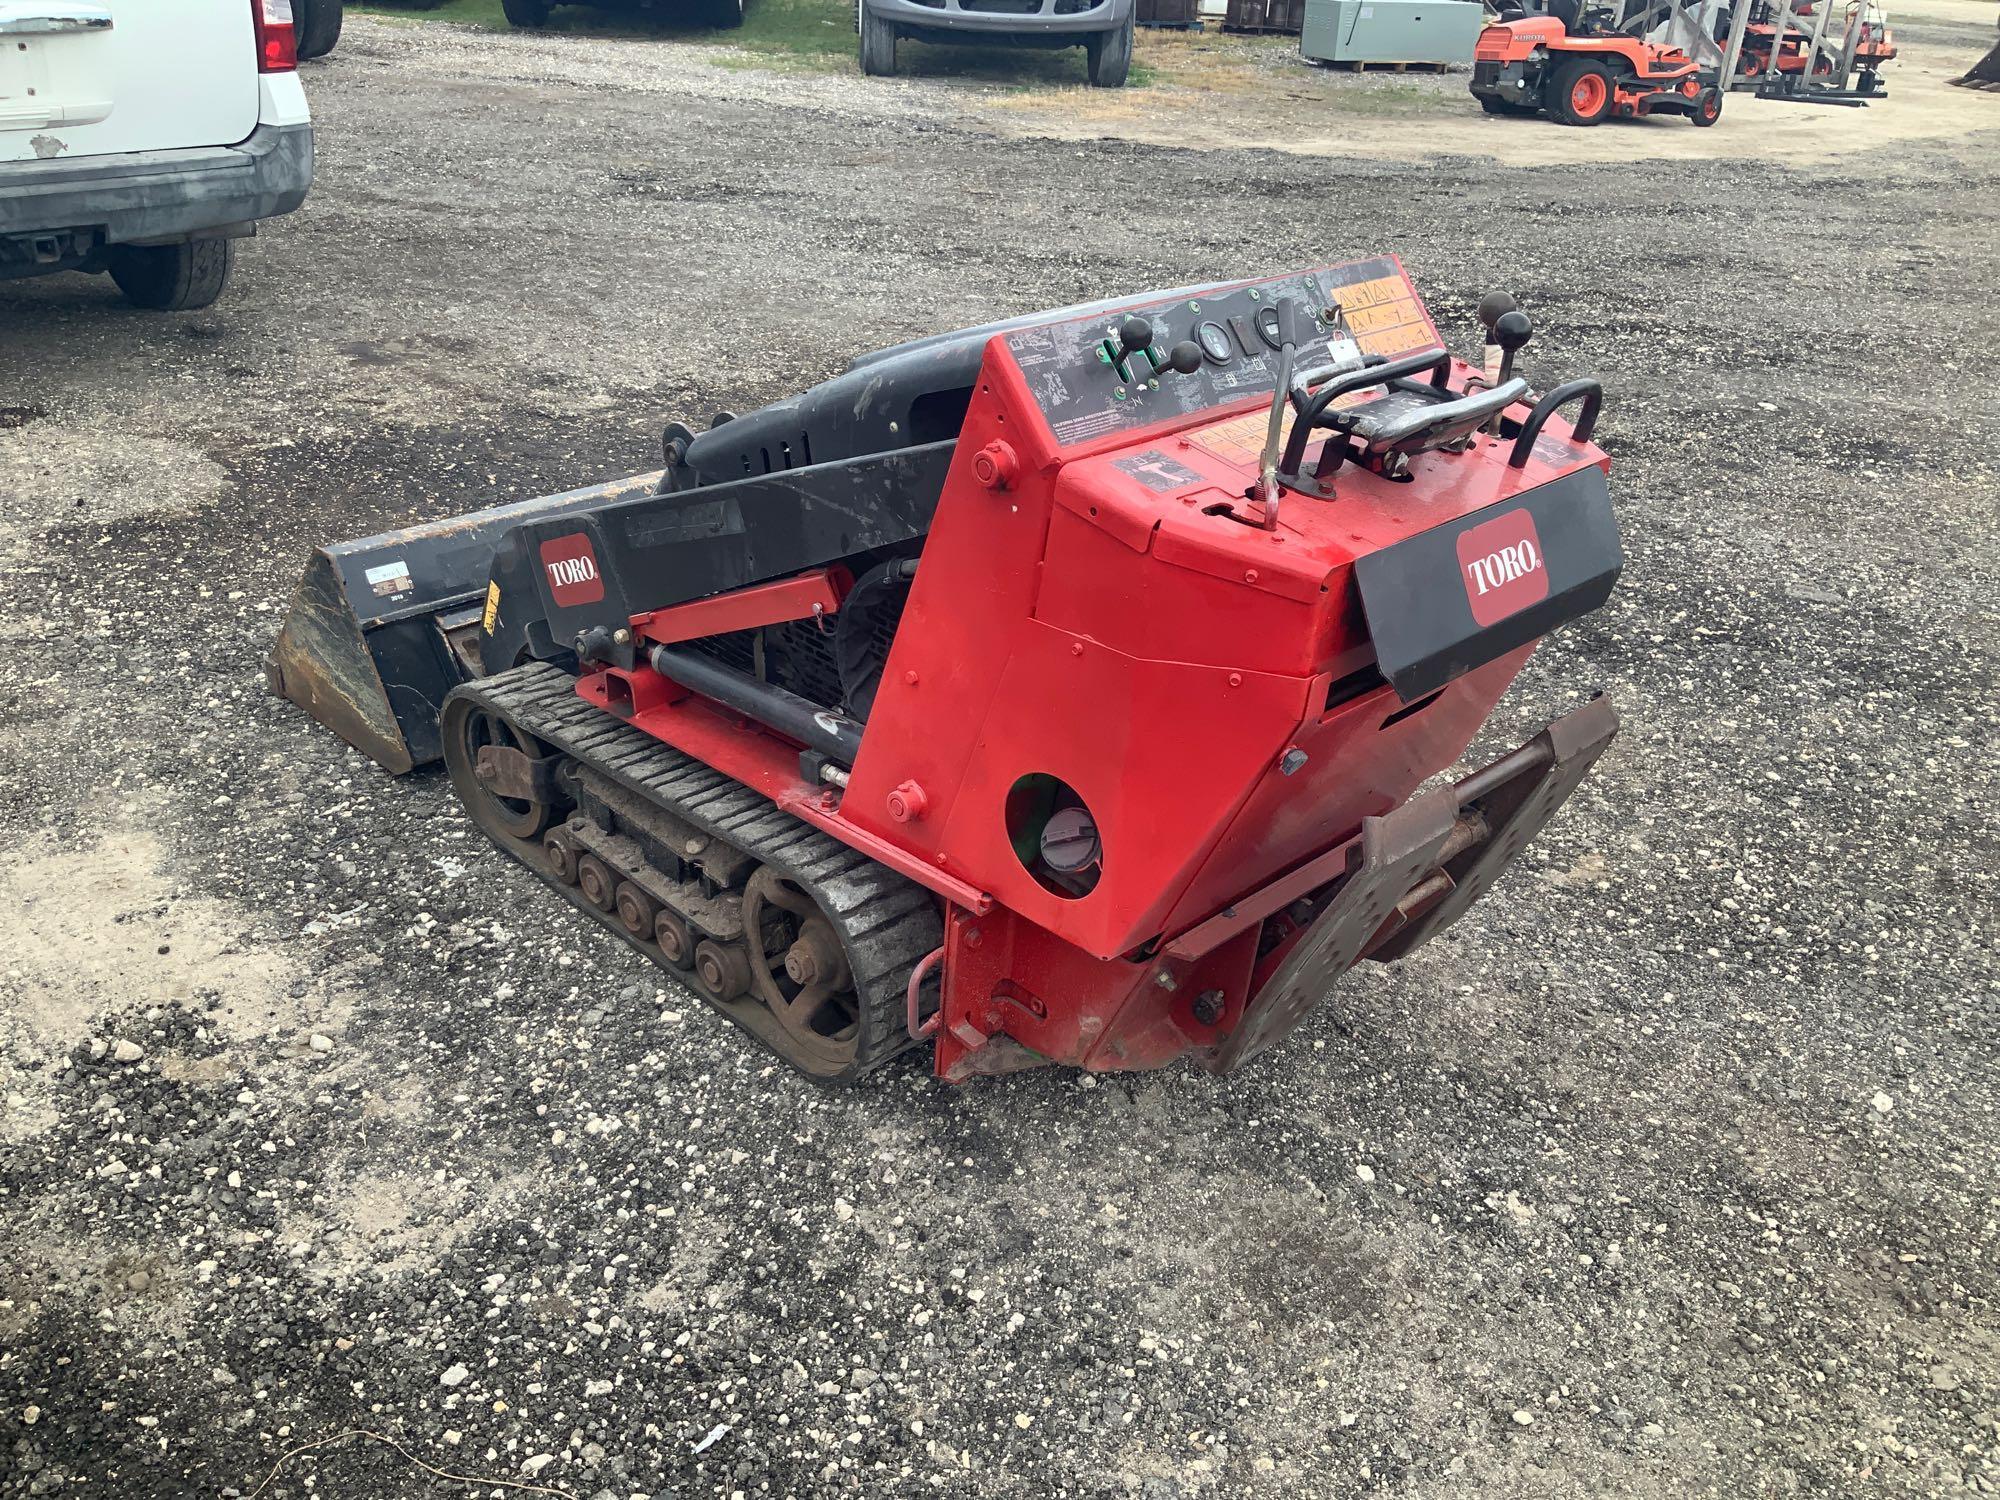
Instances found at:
x=995 y=466
x=907 y=802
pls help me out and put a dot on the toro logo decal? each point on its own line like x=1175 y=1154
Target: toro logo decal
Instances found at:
x=1500 y=563
x=571 y=566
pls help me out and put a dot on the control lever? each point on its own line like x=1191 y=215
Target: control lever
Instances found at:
x=1492 y=307
x=1511 y=330
x=1133 y=336
x=1292 y=321
x=1183 y=359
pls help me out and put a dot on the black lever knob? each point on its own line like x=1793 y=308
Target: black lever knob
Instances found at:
x=1134 y=334
x=1512 y=329
x=1494 y=306
x=1183 y=359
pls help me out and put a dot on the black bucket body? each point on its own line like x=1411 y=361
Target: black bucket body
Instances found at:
x=382 y=628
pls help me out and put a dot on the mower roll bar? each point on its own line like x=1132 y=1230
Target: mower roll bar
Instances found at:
x=1592 y=394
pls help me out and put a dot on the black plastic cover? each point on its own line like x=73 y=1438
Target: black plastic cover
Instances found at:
x=1467 y=592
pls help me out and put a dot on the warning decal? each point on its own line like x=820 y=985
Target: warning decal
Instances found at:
x=1383 y=310
x=1156 y=471
x=492 y=608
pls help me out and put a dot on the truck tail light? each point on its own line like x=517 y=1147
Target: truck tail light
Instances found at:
x=277 y=42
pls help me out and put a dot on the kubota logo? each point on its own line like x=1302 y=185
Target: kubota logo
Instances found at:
x=1500 y=562
x=572 y=569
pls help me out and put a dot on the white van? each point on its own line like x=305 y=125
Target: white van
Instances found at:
x=144 y=137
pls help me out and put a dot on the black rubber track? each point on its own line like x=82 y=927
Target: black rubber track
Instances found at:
x=886 y=922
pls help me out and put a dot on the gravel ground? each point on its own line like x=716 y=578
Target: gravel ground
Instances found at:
x=1679 y=1152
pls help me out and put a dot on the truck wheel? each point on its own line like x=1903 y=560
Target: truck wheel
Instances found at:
x=1707 y=107
x=525 y=12
x=317 y=24
x=1110 y=56
x=878 y=44
x=172 y=278
x=1581 y=93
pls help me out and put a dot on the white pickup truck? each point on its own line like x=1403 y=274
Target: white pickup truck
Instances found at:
x=144 y=137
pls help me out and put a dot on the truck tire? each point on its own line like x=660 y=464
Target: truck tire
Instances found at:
x=1109 y=55
x=525 y=12
x=317 y=26
x=172 y=278
x=878 y=44
x=1580 y=92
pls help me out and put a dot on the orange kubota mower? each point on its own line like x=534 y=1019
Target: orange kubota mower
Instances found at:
x=1576 y=67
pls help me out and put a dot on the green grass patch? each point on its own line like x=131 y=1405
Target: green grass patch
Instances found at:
x=812 y=35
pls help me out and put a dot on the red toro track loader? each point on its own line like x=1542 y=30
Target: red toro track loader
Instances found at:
x=1575 y=66
x=1069 y=689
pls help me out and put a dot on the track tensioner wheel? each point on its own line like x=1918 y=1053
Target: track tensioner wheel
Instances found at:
x=803 y=977
x=491 y=762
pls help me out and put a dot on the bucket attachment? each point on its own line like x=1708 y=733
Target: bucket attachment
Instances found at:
x=1984 y=74
x=382 y=628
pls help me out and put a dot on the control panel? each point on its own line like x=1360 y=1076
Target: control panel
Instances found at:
x=1155 y=361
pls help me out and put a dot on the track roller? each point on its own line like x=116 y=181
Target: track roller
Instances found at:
x=636 y=910
x=676 y=943
x=721 y=970
x=562 y=855
x=597 y=882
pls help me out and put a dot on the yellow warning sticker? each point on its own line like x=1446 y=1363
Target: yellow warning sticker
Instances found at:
x=1386 y=315
x=1241 y=439
x=492 y=608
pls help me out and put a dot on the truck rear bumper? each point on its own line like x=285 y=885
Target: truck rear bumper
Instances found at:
x=160 y=195
x=989 y=22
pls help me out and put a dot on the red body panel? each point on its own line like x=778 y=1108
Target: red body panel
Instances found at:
x=1160 y=657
